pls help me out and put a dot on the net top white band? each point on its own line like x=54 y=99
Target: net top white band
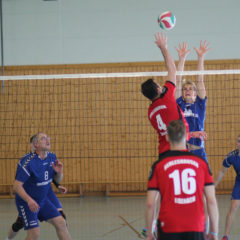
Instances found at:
x=117 y=75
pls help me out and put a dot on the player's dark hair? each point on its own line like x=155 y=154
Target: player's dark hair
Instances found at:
x=149 y=89
x=176 y=131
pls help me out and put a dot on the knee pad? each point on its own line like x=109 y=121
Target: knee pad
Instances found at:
x=18 y=224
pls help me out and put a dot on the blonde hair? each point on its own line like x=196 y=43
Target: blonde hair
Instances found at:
x=187 y=82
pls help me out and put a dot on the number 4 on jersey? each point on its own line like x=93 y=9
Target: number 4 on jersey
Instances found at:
x=161 y=124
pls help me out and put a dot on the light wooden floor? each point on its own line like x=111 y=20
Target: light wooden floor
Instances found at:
x=100 y=218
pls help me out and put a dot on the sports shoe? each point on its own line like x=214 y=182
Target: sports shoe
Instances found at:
x=225 y=238
x=144 y=232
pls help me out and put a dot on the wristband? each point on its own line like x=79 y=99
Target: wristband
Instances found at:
x=214 y=233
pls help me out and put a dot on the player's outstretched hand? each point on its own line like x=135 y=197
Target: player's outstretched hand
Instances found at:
x=62 y=189
x=58 y=166
x=33 y=206
x=182 y=50
x=199 y=134
x=204 y=47
x=161 y=40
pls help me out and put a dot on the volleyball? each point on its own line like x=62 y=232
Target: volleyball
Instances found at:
x=167 y=20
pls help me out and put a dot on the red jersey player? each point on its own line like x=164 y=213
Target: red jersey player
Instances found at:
x=181 y=178
x=164 y=107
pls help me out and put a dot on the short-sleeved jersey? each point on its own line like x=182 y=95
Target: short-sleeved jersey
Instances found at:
x=233 y=159
x=162 y=111
x=194 y=113
x=180 y=177
x=36 y=175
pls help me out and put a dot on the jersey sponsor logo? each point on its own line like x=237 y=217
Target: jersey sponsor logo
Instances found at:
x=44 y=183
x=189 y=113
x=185 y=200
x=157 y=109
x=180 y=161
x=33 y=223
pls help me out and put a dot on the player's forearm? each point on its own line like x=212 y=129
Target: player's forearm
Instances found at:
x=213 y=216
x=219 y=178
x=150 y=208
x=58 y=178
x=149 y=218
x=180 y=68
x=212 y=207
x=170 y=64
x=56 y=183
x=200 y=83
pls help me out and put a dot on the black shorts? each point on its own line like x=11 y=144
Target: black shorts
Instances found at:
x=180 y=236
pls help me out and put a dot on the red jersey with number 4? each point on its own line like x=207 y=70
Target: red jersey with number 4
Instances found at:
x=162 y=111
x=180 y=177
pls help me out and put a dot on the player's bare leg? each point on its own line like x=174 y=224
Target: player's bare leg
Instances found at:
x=11 y=234
x=61 y=228
x=231 y=215
x=13 y=231
x=33 y=233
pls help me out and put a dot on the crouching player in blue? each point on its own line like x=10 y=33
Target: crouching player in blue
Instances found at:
x=34 y=175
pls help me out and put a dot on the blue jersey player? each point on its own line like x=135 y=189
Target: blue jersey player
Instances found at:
x=232 y=159
x=34 y=175
x=192 y=100
x=18 y=224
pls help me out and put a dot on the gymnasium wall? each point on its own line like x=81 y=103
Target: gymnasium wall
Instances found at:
x=99 y=127
x=75 y=31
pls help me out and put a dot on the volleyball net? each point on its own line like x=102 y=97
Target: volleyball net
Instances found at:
x=98 y=123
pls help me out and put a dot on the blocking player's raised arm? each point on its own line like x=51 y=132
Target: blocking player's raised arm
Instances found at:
x=182 y=51
x=201 y=51
x=161 y=41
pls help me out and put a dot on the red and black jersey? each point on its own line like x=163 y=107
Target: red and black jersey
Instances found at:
x=180 y=177
x=162 y=111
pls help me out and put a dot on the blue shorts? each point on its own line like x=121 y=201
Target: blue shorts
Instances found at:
x=30 y=219
x=53 y=199
x=236 y=191
x=201 y=153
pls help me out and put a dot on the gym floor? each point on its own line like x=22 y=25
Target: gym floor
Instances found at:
x=103 y=218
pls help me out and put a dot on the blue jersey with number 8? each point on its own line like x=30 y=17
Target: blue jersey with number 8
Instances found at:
x=36 y=175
